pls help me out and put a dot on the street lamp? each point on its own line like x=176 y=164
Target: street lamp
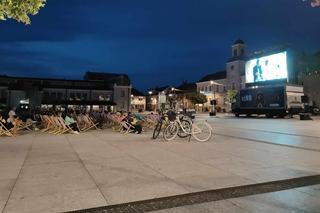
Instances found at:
x=150 y=102
x=214 y=99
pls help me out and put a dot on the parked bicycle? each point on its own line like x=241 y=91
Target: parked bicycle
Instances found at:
x=201 y=131
x=164 y=121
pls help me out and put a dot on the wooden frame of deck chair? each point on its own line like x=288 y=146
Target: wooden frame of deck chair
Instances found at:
x=126 y=127
x=57 y=127
x=89 y=121
x=64 y=127
x=47 y=123
x=53 y=126
x=152 y=121
x=112 y=122
x=80 y=123
x=117 y=126
x=25 y=125
x=5 y=131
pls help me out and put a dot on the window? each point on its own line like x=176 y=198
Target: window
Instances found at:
x=242 y=51
x=46 y=94
x=59 y=95
x=233 y=86
x=84 y=96
x=231 y=67
x=3 y=94
x=53 y=95
x=72 y=95
x=235 y=53
x=122 y=93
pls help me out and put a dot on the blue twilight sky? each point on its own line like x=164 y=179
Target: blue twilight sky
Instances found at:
x=156 y=42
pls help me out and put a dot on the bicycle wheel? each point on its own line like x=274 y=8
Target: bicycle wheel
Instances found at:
x=171 y=132
x=157 y=130
x=187 y=126
x=202 y=131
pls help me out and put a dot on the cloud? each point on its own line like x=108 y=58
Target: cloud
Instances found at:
x=150 y=38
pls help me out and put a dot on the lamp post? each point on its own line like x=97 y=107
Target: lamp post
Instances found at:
x=213 y=112
x=150 y=101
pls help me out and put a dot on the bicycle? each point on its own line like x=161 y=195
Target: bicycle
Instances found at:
x=164 y=121
x=201 y=131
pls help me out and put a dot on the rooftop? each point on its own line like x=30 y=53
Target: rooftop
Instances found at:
x=214 y=76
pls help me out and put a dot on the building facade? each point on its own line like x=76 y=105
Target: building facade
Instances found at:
x=216 y=85
x=138 y=101
x=113 y=92
x=311 y=86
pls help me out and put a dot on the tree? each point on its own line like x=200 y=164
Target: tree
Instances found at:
x=20 y=10
x=314 y=3
x=230 y=96
x=197 y=98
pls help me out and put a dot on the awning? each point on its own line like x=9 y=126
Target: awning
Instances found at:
x=76 y=102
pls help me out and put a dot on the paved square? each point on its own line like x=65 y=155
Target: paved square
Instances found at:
x=45 y=173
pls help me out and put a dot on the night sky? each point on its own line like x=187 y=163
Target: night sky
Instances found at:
x=156 y=42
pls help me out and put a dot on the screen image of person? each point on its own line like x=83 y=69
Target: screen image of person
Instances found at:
x=257 y=72
x=267 y=68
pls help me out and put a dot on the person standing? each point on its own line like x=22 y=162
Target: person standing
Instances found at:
x=12 y=114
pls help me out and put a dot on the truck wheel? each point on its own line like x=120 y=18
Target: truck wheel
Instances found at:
x=268 y=115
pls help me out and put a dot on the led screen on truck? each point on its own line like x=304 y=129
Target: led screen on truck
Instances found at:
x=267 y=68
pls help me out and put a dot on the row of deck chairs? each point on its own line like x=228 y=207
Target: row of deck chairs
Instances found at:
x=117 y=123
x=20 y=125
x=57 y=126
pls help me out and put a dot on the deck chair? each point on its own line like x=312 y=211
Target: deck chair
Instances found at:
x=57 y=127
x=25 y=125
x=126 y=127
x=5 y=131
x=47 y=123
x=90 y=123
x=64 y=127
x=80 y=123
x=117 y=126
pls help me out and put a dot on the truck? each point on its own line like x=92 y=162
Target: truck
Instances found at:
x=273 y=100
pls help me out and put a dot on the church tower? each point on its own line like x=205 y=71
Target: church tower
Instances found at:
x=236 y=66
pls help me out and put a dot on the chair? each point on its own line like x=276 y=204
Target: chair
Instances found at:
x=25 y=125
x=64 y=127
x=89 y=122
x=126 y=127
x=5 y=131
